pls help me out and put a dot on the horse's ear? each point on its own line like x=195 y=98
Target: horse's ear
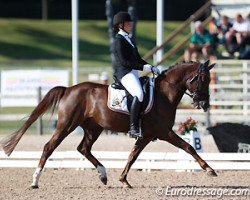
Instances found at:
x=211 y=66
x=206 y=63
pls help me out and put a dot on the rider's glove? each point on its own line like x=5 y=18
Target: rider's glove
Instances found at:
x=155 y=70
x=147 y=68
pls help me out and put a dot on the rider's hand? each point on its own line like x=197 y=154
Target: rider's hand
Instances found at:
x=147 y=68
x=155 y=70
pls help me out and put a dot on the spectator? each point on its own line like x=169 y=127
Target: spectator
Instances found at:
x=223 y=27
x=245 y=45
x=237 y=34
x=218 y=29
x=104 y=78
x=245 y=51
x=201 y=42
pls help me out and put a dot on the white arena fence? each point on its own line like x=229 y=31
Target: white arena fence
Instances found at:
x=230 y=95
x=118 y=160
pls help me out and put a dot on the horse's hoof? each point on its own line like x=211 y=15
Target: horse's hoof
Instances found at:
x=34 y=186
x=211 y=173
x=104 y=180
x=126 y=184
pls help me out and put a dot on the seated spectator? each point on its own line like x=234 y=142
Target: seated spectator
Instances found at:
x=104 y=78
x=223 y=27
x=201 y=42
x=245 y=45
x=245 y=51
x=237 y=34
x=218 y=29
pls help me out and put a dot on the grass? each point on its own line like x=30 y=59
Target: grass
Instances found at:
x=36 y=43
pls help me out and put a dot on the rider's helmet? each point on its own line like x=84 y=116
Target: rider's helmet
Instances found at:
x=120 y=18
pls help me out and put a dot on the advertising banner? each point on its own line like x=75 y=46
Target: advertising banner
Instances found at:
x=20 y=87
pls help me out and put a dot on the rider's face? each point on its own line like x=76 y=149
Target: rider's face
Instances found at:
x=127 y=27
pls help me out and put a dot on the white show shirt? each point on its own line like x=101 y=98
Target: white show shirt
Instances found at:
x=241 y=27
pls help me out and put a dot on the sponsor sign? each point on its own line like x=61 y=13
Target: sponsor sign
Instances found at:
x=20 y=87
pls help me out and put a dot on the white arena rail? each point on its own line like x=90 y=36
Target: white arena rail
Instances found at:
x=118 y=160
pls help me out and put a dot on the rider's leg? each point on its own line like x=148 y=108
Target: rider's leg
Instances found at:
x=132 y=84
x=134 y=118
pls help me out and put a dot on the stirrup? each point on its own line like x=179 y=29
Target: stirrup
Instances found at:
x=135 y=131
x=135 y=134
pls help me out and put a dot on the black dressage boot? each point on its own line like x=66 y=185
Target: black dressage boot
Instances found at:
x=135 y=110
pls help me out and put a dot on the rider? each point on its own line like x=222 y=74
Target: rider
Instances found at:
x=126 y=63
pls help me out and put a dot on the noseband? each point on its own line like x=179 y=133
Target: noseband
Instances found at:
x=198 y=92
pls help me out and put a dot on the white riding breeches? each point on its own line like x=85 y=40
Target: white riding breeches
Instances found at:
x=132 y=84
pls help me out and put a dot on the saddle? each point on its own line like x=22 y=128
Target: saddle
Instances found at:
x=119 y=99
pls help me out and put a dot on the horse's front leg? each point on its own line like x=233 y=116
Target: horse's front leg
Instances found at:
x=138 y=147
x=174 y=139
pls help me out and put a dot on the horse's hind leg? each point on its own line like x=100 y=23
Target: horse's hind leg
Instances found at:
x=58 y=136
x=179 y=142
x=90 y=136
x=138 y=147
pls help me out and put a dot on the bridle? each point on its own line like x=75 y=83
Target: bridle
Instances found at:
x=202 y=71
x=198 y=92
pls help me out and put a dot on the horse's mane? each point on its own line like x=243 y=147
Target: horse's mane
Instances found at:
x=164 y=72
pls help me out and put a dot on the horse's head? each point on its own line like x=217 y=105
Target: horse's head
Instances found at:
x=198 y=86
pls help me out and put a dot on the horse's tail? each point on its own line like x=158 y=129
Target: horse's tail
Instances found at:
x=50 y=100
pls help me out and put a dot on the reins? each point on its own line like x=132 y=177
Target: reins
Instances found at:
x=179 y=89
x=197 y=76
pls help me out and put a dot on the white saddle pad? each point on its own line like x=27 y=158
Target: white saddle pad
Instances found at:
x=117 y=100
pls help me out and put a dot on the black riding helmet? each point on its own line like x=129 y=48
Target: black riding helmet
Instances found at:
x=121 y=17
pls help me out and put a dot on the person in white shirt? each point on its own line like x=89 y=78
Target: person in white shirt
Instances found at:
x=239 y=31
x=245 y=45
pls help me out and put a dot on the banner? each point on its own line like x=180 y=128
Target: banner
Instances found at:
x=16 y=84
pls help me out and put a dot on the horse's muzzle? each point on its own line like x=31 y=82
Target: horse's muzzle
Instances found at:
x=201 y=104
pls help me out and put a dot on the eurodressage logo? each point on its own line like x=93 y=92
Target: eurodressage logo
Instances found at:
x=208 y=192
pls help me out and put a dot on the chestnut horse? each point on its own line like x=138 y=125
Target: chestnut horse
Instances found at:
x=85 y=105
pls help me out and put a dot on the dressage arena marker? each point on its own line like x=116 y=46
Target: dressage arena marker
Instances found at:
x=118 y=160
